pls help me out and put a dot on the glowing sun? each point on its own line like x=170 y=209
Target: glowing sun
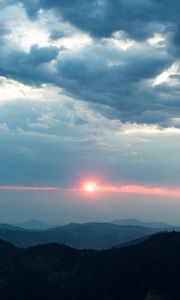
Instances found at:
x=90 y=187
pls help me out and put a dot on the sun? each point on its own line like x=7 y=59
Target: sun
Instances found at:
x=90 y=187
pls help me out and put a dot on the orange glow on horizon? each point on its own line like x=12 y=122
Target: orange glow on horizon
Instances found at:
x=147 y=190
x=93 y=187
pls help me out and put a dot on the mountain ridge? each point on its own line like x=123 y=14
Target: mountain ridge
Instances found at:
x=136 y=222
x=90 y=235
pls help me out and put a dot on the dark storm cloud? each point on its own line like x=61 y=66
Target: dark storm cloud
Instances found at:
x=42 y=55
x=119 y=86
x=138 y=18
x=90 y=77
x=101 y=73
x=31 y=68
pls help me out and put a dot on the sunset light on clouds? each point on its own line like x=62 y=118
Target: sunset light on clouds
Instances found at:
x=89 y=107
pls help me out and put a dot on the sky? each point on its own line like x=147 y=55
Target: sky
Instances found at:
x=89 y=92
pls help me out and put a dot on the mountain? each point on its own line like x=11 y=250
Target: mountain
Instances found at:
x=34 y=224
x=135 y=222
x=133 y=242
x=82 y=236
x=9 y=227
x=147 y=271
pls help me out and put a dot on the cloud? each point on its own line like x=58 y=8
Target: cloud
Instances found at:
x=20 y=65
x=29 y=188
x=4 y=128
x=105 y=76
x=118 y=79
x=42 y=55
x=3 y=30
x=124 y=74
x=141 y=190
x=60 y=142
x=140 y=19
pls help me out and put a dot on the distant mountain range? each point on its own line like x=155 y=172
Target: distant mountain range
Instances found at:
x=147 y=271
x=34 y=225
x=135 y=222
x=81 y=236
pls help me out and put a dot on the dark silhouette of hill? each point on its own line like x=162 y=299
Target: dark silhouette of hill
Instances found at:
x=149 y=270
x=82 y=236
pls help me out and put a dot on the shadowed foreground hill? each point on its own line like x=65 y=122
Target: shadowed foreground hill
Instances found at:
x=81 y=236
x=150 y=270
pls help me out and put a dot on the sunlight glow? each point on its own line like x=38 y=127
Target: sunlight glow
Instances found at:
x=12 y=90
x=157 y=40
x=169 y=76
x=28 y=35
x=90 y=187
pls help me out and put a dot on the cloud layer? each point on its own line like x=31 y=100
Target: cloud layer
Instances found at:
x=122 y=54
